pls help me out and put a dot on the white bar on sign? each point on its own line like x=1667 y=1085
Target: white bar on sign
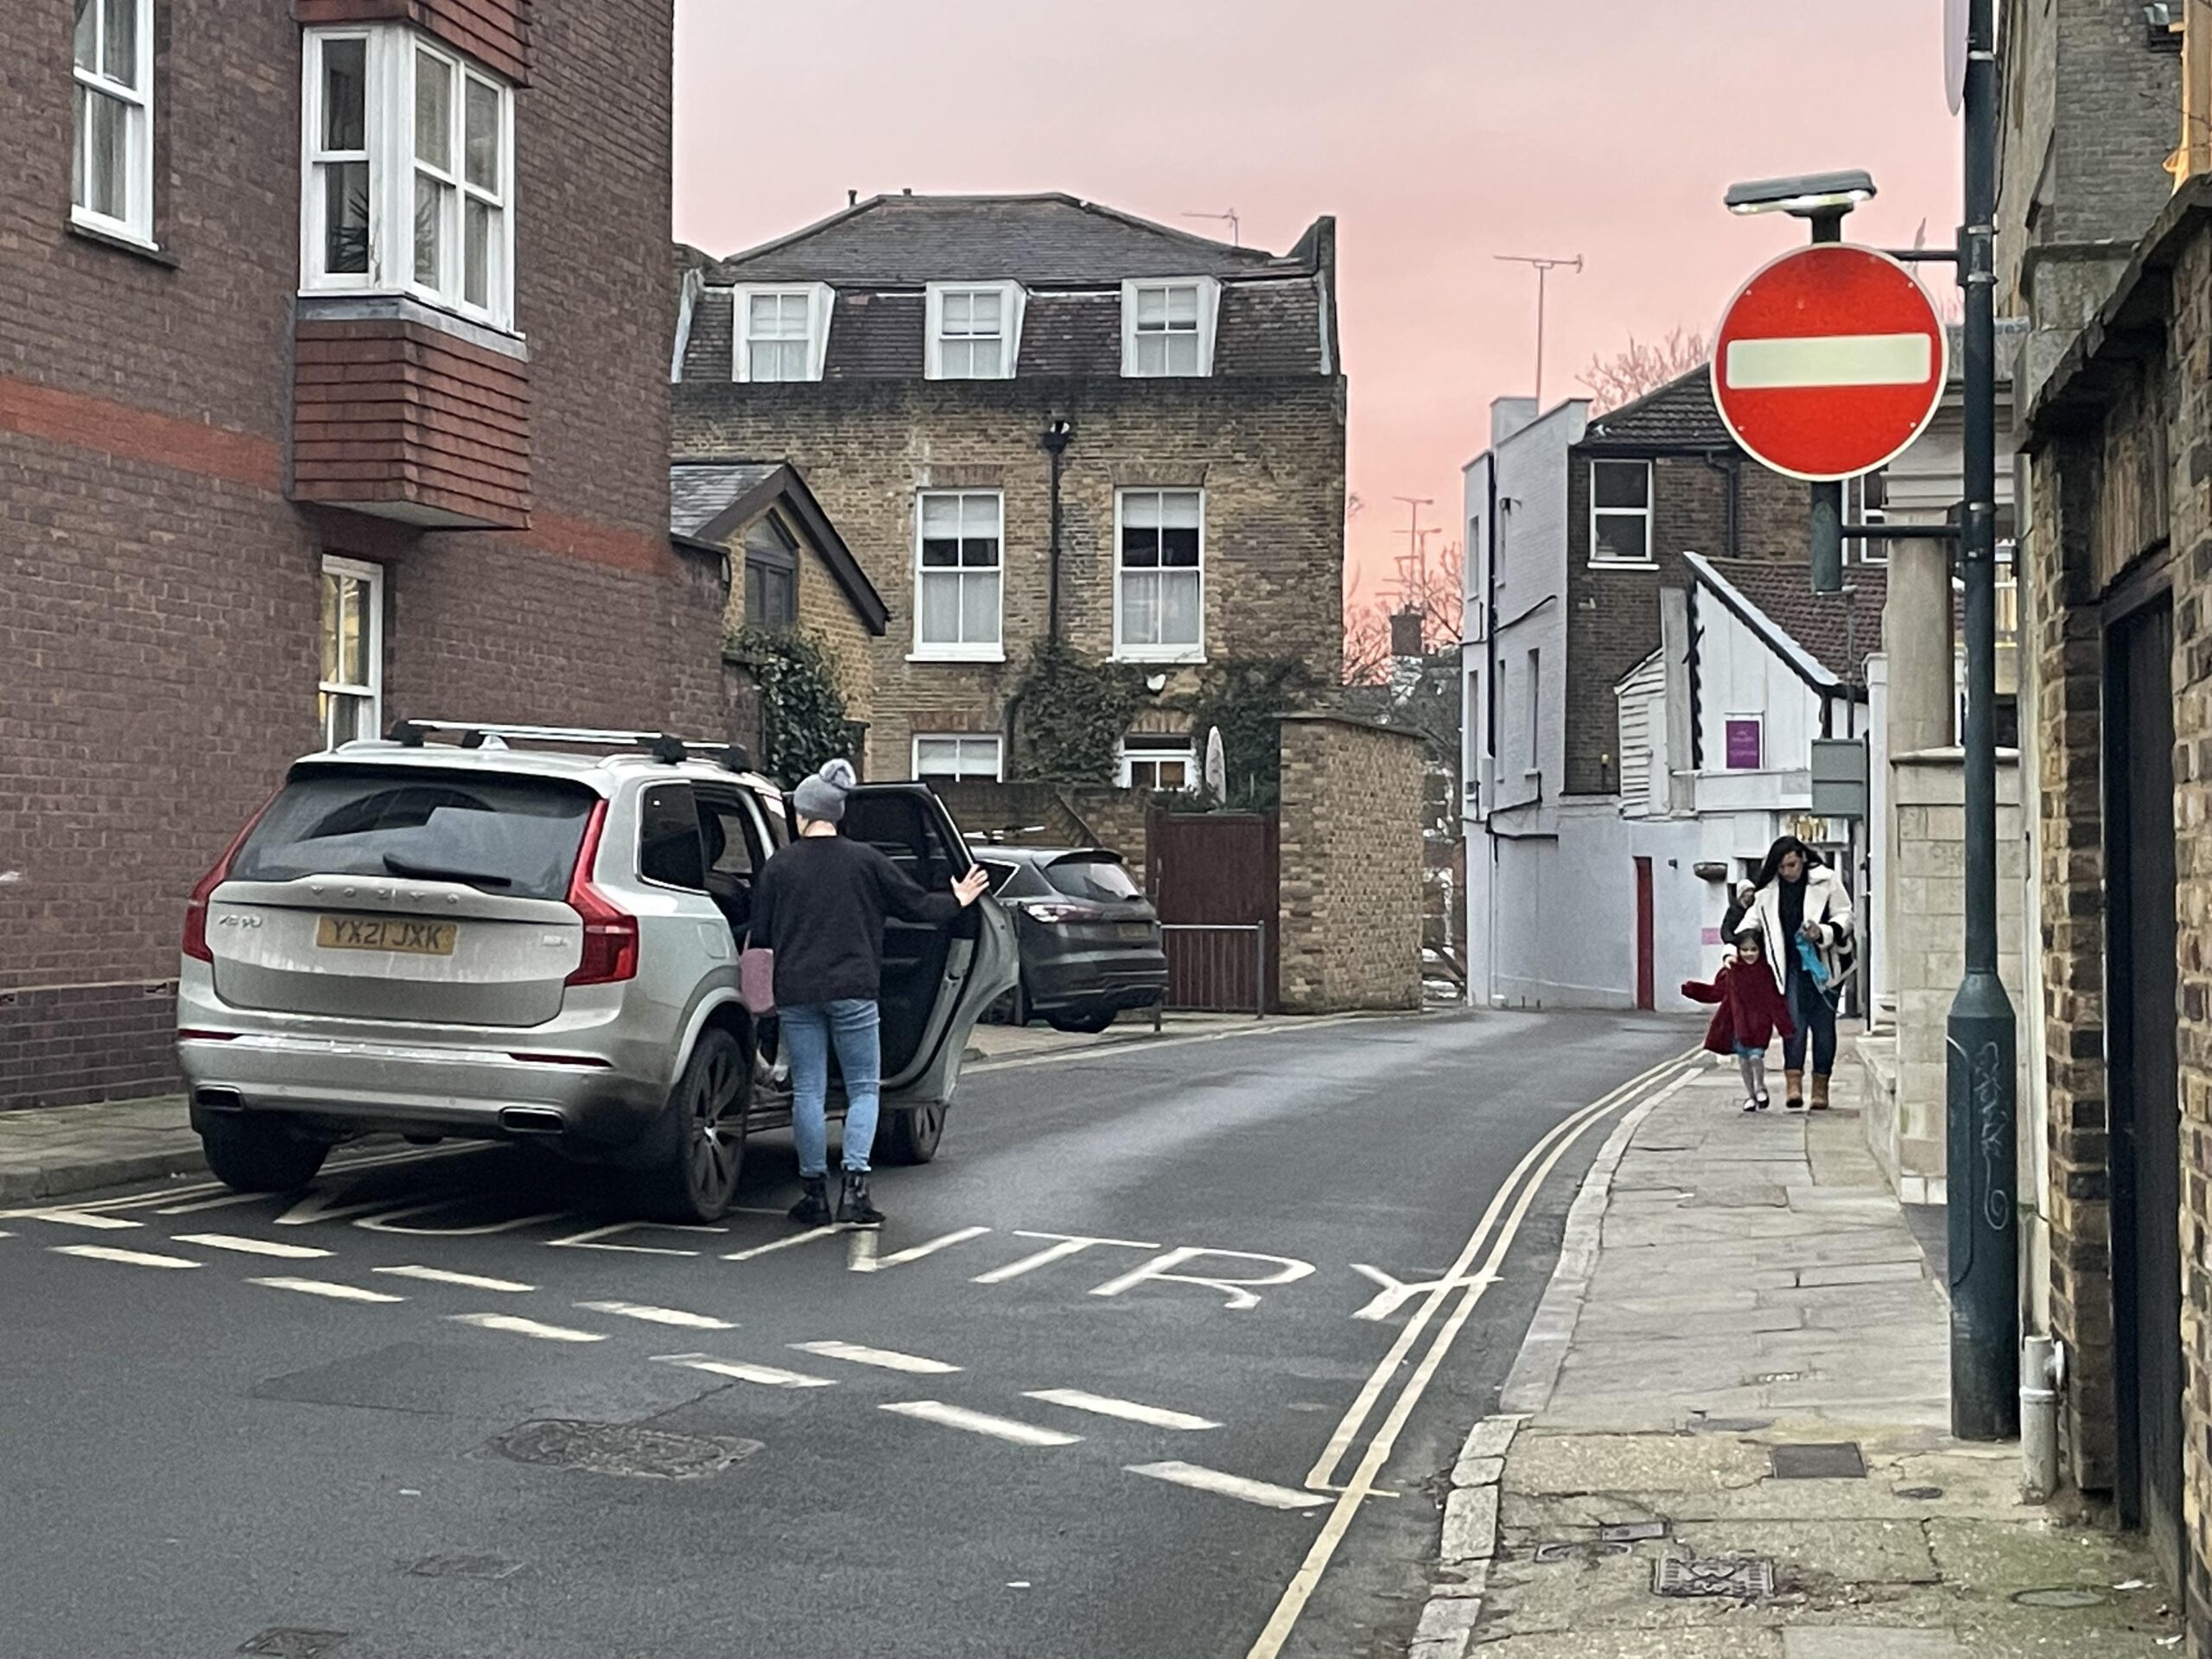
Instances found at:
x=1830 y=360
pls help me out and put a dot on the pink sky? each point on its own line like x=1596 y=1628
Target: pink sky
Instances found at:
x=1439 y=132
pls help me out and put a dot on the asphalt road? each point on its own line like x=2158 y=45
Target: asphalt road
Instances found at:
x=1094 y=1392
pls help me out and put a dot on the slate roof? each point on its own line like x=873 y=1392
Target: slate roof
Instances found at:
x=905 y=240
x=699 y=494
x=1681 y=414
x=711 y=500
x=1822 y=623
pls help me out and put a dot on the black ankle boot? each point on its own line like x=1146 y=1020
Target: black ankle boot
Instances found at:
x=813 y=1208
x=854 y=1209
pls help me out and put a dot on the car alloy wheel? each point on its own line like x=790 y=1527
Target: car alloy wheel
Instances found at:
x=702 y=1151
x=911 y=1136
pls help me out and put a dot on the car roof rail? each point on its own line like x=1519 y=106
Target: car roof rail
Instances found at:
x=665 y=747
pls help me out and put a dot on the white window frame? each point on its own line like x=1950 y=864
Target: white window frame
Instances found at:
x=137 y=223
x=964 y=650
x=389 y=132
x=963 y=741
x=1209 y=311
x=1598 y=556
x=821 y=301
x=369 y=691
x=1170 y=746
x=1124 y=649
x=1011 y=297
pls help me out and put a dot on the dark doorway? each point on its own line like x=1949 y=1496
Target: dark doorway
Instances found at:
x=1646 y=991
x=2139 y=983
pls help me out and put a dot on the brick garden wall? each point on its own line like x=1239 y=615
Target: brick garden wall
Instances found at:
x=1351 y=858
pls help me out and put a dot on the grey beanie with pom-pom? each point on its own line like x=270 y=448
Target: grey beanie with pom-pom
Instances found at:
x=822 y=797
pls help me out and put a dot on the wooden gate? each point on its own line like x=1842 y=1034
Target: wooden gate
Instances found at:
x=1214 y=877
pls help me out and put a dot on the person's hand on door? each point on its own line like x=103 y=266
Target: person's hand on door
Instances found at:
x=971 y=886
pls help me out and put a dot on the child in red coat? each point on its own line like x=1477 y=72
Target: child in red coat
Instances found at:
x=1751 y=1015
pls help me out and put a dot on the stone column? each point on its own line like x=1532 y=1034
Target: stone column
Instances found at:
x=1917 y=636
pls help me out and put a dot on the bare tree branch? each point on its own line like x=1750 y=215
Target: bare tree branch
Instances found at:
x=1642 y=367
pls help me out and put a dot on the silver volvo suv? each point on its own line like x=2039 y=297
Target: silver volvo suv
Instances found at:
x=509 y=931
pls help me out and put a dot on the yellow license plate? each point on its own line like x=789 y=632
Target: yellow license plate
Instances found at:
x=386 y=933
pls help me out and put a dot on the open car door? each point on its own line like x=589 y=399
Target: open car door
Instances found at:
x=937 y=982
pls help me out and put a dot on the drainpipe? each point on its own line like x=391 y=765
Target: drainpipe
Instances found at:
x=1058 y=434
x=2042 y=1374
x=1731 y=477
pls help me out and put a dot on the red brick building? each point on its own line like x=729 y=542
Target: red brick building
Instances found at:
x=334 y=386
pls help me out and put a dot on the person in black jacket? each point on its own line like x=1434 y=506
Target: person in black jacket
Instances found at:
x=820 y=906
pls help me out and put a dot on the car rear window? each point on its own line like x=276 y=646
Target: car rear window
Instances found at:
x=1101 y=880
x=512 y=836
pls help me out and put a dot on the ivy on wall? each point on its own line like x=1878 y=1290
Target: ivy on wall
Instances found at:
x=1243 y=701
x=802 y=719
x=1072 y=714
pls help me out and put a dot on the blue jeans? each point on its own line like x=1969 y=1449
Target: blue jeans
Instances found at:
x=852 y=1028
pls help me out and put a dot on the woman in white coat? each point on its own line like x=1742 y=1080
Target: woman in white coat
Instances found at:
x=1803 y=912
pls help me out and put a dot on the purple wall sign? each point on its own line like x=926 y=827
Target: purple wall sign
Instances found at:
x=1743 y=745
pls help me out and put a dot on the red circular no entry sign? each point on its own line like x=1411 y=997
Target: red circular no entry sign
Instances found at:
x=1829 y=362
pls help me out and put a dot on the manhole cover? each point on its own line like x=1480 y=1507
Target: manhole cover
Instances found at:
x=624 y=1449
x=283 y=1641
x=464 y=1566
x=1835 y=1460
x=1631 y=1532
x=1745 y=1581
x=1574 y=1550
x=1920 y=1494
x=2061 y=1598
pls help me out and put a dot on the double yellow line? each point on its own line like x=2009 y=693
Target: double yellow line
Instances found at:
x=1509 y=1206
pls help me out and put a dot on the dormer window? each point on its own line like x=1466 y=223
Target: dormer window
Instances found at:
x=1167 y=328
x=974 y=330
x=783 y=333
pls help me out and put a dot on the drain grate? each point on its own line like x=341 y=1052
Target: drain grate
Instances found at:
x=623 y=1449
x=1832 y=1460
x=464 y=1566
x=1742 y=1581
x=288 y=1642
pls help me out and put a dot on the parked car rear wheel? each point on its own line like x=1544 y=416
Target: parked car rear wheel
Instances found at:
x=260 y=1154
x=1089 y=1021
x=700 y=1154
x=910 y=1136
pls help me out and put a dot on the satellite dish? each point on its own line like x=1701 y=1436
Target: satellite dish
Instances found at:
x=1216 y=765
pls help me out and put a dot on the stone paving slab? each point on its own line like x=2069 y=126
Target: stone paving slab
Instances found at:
x=51 y=1151
x=1728 y=1286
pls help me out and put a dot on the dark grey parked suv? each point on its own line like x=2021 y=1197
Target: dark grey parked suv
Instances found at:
x=1091 y=941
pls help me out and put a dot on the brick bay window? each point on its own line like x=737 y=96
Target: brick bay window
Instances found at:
x=974 y=332
x=1167 y=328
x=408 y=185
x=112 y=176
x=1160 y=577
x=958 y=576
x=1620 y=513
x=957 y=757
x=782 y=334
x=351 y=697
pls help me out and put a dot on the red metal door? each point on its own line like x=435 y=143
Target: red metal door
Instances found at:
x=1645 y=997
x=1214 y=877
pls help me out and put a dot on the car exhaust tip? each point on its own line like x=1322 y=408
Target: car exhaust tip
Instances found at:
x=218 y=1100
x=533 y=1120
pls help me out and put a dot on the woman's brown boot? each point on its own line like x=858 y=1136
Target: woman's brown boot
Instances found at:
x=1819 y=1101
x=1794 y=1100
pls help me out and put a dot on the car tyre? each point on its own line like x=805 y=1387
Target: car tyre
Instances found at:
x=260 y=1154
x=694 y=1170
x=1089 y=1022
x=911 y=1135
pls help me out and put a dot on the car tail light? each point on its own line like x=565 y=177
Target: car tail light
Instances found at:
x=1057 y=913
x=610 y=935
x=196 y=907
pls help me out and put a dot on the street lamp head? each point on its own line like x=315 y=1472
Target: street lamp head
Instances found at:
x=1808 y=195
